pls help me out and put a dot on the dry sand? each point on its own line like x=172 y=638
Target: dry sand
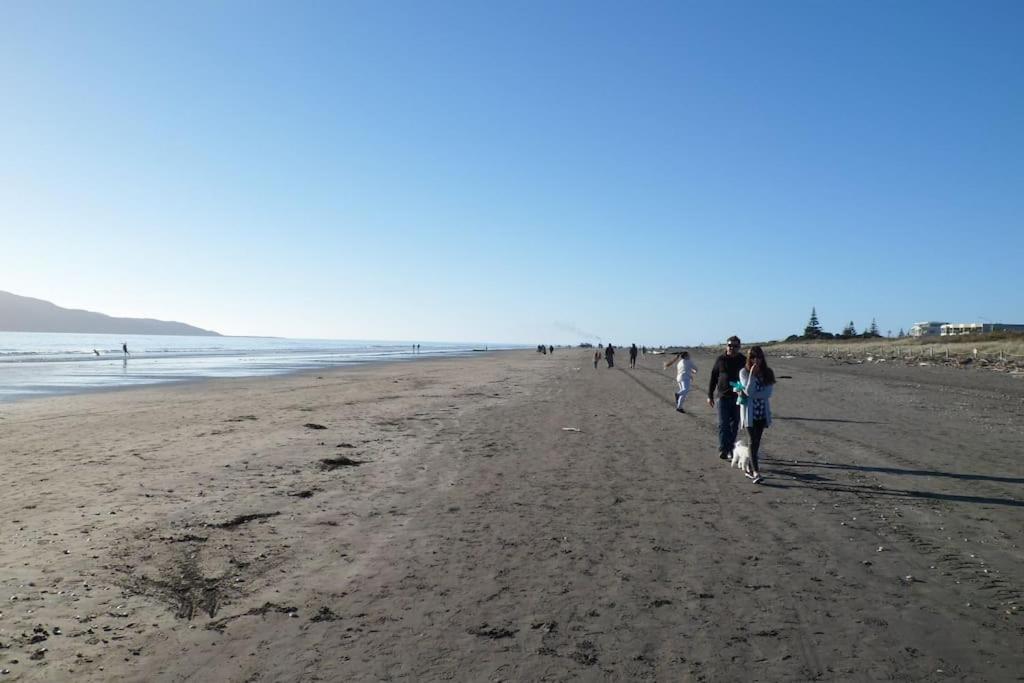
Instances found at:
x=194 y=532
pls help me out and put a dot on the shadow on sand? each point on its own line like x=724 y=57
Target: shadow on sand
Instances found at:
x=901 y=471
x=802 y=479
x=825 y=419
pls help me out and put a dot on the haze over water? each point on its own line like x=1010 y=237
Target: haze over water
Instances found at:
x=39 y=364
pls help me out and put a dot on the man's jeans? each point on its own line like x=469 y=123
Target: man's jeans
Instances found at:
x=728 y=423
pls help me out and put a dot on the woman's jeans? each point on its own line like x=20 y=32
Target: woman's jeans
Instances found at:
x=684 y=389
x=755 y=431
x=728 y=423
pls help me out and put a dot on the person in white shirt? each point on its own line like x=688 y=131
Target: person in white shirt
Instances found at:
x=685 y=372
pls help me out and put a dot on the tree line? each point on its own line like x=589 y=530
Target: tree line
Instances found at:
x=813 y=331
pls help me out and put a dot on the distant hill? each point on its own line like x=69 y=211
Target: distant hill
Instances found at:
x=24 y=314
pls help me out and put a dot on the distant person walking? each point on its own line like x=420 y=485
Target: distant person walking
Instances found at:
x=124 y=347
x=726 y=371
x=551 y=350
x=632 y=356
x=758 y=381
x=609 y=355
x=597 y=357
x=685 y=372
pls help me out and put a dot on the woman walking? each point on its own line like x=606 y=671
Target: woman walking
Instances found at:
x=685 y=372
x=757 y=380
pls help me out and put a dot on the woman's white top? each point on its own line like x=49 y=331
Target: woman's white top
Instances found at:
x=684 y=370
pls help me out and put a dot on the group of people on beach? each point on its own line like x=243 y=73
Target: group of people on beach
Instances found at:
x=741 y=389
x=609 y=355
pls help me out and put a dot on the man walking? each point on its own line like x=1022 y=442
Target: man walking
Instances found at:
x=726 y=371
x=632 y=356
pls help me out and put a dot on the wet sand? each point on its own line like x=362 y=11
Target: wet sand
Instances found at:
x=433 y=521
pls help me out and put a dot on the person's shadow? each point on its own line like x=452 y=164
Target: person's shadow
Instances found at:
x=804 y=479
x=825 y=419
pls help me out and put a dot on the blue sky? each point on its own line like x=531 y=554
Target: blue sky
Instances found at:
x=523 y=171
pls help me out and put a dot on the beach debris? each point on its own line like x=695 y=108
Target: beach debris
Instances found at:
x=307 y=493
x=493 y=632
x=241 y=418
x=344 y=445
x=38 y=654
x=185 y=538
x=880 y=549
x=570 y=429
x=546 y=626
x=325 y=614
x=268 y=607
x=586 y=653
x=340 y=461
x=313 y=425
x=239 y=520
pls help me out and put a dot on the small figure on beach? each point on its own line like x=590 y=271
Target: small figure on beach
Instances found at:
x=124 y=347
x=756 y=382
x=609 y=355
x=632 y=356
x=726 y=371
x=597 y=357
x=685 y=372
x=96 y=352
x=551 y=350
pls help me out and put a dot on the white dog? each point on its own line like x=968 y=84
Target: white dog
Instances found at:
x=741 y=456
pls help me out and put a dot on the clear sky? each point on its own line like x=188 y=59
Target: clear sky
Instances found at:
x=515 y=171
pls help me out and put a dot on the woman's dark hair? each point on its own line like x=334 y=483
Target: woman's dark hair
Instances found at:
x=767 y=374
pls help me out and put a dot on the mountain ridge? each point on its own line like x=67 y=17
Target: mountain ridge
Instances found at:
x=27 y=314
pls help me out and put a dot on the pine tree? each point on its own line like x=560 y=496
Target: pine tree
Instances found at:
x=849 y=331
x=813 y=329
x=901 y=334
x=874 y=329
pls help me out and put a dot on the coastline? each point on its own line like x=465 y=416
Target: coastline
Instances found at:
x=34 y=365
x=201 y=380
x=195 y=531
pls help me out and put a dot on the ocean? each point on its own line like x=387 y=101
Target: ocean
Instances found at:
x=40 y=364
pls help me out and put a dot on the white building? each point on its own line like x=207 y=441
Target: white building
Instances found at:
x=927 y=329
x=956 y=329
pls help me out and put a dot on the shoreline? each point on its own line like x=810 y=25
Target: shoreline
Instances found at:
x=28 y=394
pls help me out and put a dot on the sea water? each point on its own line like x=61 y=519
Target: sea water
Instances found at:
x=39 y=364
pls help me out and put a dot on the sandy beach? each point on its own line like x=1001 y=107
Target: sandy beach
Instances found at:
x=434 y=520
